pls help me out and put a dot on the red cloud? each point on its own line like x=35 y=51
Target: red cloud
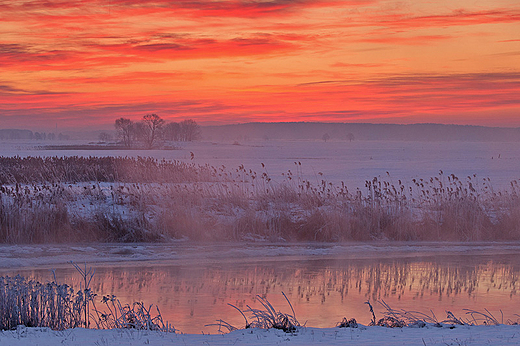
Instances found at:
x=333 y=100
x=188 y=48
x=193 y=8
x=404 y=40
x=455 y=18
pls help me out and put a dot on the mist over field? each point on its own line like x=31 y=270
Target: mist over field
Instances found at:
x=361 y=131
x=306 y=131
x=377 y=182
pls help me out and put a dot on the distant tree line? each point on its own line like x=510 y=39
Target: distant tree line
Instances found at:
x=50 y=136
x=14 y=134
x=152 y=129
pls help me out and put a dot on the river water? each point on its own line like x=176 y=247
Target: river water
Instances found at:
x=323 y=286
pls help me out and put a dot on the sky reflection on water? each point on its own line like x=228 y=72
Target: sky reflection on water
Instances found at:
x=322 y=291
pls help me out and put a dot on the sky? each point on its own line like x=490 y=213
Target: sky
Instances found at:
x=86 y=63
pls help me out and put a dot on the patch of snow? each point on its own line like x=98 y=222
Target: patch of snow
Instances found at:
x=375 y=336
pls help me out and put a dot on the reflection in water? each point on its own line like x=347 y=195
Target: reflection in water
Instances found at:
x=322 y=291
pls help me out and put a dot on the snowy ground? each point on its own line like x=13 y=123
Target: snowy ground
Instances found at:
x=429 y=336
x=350 y=162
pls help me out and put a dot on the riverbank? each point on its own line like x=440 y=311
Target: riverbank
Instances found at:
x=429 y=335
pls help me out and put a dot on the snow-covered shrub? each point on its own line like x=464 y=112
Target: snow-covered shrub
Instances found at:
x=34 y=304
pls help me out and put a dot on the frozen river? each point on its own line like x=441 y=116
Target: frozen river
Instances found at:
x=192 y=284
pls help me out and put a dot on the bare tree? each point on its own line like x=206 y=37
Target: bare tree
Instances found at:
x=139 y=132
x=153 y=125
x=124 y=128
x=172 y=131
x=325 y=137
x=104 y=137
x=190 y=130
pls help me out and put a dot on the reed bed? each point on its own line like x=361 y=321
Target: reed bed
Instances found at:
x=73 y=169
x=134 y=200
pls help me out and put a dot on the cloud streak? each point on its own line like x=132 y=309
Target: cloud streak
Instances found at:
x=424 y=96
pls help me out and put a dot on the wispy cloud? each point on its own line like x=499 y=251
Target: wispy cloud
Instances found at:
x=454 y=18
x=194 y=48
x=427 y=96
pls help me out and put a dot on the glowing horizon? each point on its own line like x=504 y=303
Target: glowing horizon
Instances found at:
x=220 y=62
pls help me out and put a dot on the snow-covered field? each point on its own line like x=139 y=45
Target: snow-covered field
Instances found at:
x=367 y=336
x=350 y=162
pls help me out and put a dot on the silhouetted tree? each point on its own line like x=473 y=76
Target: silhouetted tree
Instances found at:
x=190 y=130
x=124 y=128
x=350 y=136
x=104 y=137
x=325 y=137
x=138 y=133
x=152 y=125
x=172 y=131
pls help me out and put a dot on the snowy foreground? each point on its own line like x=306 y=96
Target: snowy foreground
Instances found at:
x=429 y=336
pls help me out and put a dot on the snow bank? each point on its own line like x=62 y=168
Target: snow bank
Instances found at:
x=430 y=336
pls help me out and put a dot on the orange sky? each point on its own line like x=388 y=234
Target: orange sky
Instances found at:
x=85 y=63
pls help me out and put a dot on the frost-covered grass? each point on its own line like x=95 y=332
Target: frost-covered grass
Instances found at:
x=33 y=304
x=266 y=317
x=48 y=314
x=163 y=200
x=414 y=334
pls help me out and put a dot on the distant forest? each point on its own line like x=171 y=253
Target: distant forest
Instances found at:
x=15 y=134
x=352 y=131
x=309 y=131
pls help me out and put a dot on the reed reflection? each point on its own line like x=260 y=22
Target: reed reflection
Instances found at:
x=321 y=291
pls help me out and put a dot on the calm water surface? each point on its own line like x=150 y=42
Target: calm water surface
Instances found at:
x=322 y=290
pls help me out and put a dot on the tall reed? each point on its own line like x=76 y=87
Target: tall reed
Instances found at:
x=164 y=200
